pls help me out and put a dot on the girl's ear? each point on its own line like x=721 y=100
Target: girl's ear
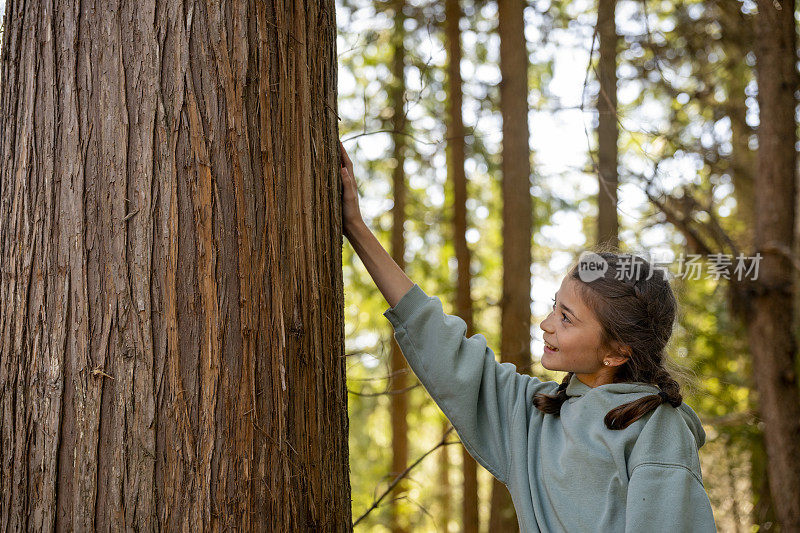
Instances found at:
x=619 y=354
x=618 y=360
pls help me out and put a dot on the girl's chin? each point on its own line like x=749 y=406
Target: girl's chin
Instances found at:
x=548 y=362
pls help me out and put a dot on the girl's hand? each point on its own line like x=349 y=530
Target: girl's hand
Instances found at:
x=351 y=214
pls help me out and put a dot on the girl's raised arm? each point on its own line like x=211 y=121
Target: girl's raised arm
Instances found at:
x=481 y=397
x=389 y=277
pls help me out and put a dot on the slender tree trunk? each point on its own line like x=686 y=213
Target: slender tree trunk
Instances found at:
x=445 y=488
x=457 y=176
x=470 y=512
x=171 y=332
x=737 y=34
x=607 y=132
x=770 y=315
x=517 y=218
x=398 y=401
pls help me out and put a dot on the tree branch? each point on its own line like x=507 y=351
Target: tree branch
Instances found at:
x=387 y=392
x=405 y=472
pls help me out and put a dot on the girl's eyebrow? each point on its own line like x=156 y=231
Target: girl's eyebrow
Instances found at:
x=568 y=310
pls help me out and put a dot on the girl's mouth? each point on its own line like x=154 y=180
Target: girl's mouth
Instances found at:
x=549 y=347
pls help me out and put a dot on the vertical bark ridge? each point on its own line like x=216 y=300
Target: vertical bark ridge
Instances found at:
x=86 y=397
x=175 y=425
x=45 y=384
x=277 y=202
x=69 y=163
x=231 y=73
x=202 y=198
x=311 y=439
x=143 y=84
x=16 y=231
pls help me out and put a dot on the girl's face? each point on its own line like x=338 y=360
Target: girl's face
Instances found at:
x=573 y=329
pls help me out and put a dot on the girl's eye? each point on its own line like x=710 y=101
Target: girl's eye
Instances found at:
x=562 y=314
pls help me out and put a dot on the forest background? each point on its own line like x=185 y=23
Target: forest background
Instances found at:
x=686 y=116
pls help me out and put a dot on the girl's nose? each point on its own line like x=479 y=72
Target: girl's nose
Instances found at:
x=544 y=324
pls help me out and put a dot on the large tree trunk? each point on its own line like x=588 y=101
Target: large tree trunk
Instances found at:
x=737 y=29
x=607 y=132
x=399 y=367
x=515 y=345
x=171 y=350
x=770 y=315
x=457 y=176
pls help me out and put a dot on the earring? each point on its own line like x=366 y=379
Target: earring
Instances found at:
x=606 y=363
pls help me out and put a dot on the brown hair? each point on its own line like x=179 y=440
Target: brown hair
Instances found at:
x=636 y=307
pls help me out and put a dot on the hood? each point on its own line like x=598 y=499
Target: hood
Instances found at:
x=576 y=388
x=693 y=421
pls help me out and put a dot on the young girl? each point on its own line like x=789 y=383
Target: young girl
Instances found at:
x=611 y=448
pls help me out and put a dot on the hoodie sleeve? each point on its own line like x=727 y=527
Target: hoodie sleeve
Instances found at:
x=667 y=498
x=476 y=393
x=665 y=488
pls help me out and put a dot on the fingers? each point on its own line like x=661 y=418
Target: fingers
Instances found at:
x=349 y=186
x=347 y=178
x=345 y=158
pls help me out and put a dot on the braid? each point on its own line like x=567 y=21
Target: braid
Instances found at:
x=624 y=415
x=670 y=390
x=550 y=403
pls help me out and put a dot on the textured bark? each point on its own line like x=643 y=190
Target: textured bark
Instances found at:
x=171 y=334
x=607 y=131
x=770 y=314
x=399 y=367
x=517 y=218
x=457 y=176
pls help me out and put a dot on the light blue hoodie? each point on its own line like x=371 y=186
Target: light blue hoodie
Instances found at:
x=565 y=473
